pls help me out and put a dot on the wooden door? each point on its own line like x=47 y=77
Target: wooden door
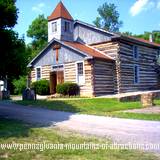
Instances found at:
x=60 y=77
x=53 y=82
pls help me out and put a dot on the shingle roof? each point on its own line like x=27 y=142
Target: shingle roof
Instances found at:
x=60 y=12
x=144 y=41
x=88 y=49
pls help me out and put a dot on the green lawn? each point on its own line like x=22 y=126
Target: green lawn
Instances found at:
x=95 y=106
x=98 y=106
x=18 y=132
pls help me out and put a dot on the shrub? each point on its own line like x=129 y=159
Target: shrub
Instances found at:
x=67 y=89
x=41 y=87
x=19 y=84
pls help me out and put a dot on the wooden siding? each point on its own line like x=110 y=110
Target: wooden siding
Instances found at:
x=103 y=77
x=109 y=48
x=89 y=35
x=125 y=68
x=45 y=73
x=87 y=89
x=70 y=72
x=64 y=55
x=70 y=76
x=33 y=75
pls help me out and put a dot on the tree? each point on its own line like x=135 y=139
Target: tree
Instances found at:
x=146 y=35
x=127 y=33
x=38 y=31
x=13 y=53
x=108 y=18
x=8 y=14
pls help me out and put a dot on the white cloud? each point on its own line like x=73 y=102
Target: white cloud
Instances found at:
x=138 y=6
x=158 y=5
x=38 y=8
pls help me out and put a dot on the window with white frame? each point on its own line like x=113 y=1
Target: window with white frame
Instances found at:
x=38 y=73
x=136 y=74
x=66 y=26
x=54 y=27
x=80 y=73
x=135 y=52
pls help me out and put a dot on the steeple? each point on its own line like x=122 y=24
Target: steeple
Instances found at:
x=60 y=24
x=60 y=12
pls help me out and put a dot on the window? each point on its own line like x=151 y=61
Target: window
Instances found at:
x=66 y=26
x=38 y=73
x=136 y=74
x=80 y=73
x=54 y=27
x=158 y=57
x=135 y=52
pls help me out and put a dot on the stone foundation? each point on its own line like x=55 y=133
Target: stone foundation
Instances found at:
x=147 y=99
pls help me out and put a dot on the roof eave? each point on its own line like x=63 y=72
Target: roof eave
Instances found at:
x=134 y=40
x=94 y=27
x=62 y=43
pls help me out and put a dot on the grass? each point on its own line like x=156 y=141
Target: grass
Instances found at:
x=18 y=132
x=95 y=106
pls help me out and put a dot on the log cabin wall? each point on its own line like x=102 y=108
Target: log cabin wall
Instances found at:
x=125 y=68
x=70 y=76
x=70 y=72
x=33 y=75
x=104 y=77
x=109 y=48
x=45 y=73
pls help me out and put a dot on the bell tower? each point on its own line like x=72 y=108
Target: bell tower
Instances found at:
x=60 y=24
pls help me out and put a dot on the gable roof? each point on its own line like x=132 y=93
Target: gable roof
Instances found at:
x=117 y=35
x=94 y=27
x=83 y=49
x=130 y=39
x=60 y=12
x=144 y=41
x=88 y=49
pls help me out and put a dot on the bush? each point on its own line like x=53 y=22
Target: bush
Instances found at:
x=67 y=89
x=19 y=84
x=41 y=87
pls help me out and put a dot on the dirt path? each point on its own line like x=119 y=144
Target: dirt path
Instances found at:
x=120 y=130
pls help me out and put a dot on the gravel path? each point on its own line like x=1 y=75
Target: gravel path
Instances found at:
x=147 y=110
x=120 y=130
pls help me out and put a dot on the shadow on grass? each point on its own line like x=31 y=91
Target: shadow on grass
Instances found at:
x=13 y=128
x=28 y=117
x=56 y=105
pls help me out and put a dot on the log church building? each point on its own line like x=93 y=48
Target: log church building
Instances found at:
x=99 y=61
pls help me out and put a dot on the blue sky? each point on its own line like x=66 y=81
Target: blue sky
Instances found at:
x=137 y=15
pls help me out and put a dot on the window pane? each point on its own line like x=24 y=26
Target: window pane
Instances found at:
x=80 y=68
x=54 y=27
x=136 y=74
x=38 y=70
x=80 y=74
x=67 y=27
x=135 y=52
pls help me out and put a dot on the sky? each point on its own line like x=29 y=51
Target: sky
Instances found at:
x=137 y=15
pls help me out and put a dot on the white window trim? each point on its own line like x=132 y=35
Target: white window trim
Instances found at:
x=77 y=72
x=40 y=72
x=52 y=26
x=138 y=80
x=134 y=52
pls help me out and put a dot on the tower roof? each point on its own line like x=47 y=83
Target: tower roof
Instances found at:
x=60 y=12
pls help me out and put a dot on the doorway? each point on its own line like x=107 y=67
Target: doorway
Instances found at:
x=56 y=77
